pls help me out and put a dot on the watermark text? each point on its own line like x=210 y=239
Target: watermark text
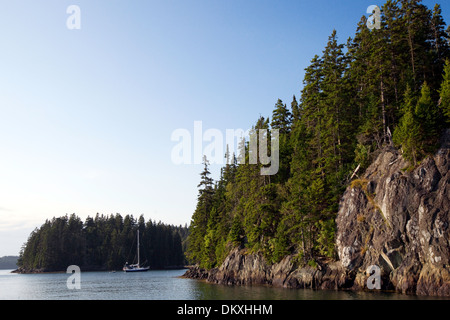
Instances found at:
x=191 y=148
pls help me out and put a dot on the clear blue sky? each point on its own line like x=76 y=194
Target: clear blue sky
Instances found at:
x=86 y=115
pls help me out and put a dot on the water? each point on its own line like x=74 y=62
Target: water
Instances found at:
x=156 y=285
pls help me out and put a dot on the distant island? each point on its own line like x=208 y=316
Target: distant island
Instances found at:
x=8 y=262
x=101 y=243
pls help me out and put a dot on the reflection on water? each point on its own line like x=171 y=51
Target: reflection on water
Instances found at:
x=158 y=285
x=217 y=292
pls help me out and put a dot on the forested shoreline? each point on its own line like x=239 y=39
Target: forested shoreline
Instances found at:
x=380 y=88
x=101 y=243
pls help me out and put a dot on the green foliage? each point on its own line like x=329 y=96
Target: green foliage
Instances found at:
x=325 y=239
x=362 y=155
x=418 y=130
x=312 y=263
x=101 y=243
x=281 y=117
x=353 y=95
x=445 y=92
x=236 y=232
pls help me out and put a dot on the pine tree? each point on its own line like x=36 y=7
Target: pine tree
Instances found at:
x=295 y=110
x=339 y=124
x=440 y=48
x=408 y=132
x=198 y=226
x=444 y=92
x=281 y=118
x=365 y=98
x=295 y=214
x=427 y=113
x=206 y=183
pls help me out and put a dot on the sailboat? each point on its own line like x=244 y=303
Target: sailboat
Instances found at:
x=135 y=267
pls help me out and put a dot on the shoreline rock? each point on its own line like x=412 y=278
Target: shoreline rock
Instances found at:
x=240 y=268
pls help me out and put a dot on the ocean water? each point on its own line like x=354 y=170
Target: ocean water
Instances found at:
x=157 y=285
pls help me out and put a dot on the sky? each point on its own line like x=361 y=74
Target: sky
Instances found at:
x=87 y=115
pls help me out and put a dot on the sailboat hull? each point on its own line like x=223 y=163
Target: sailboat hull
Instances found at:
x=136 y=269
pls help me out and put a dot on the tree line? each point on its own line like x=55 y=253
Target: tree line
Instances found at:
x=102 y=243
x=8 y=262
x=382 y=87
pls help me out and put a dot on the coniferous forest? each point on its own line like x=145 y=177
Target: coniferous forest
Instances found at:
x=387 y=86
x=102 y=243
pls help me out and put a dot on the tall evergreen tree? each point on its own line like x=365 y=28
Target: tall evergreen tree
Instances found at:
x=407 y=133
x=427 y=113
x=419 y=129
x=440 y=48
x=295 y=110
x=444 y=93
x=281 y=118
x=198 y=226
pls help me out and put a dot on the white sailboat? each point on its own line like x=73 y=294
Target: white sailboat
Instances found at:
x=135 y=267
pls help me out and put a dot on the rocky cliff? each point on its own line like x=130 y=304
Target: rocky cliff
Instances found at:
x=399 y=221
x=241 y=268
x=391 y=217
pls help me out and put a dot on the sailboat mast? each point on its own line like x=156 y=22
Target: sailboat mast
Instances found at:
x=138 y=248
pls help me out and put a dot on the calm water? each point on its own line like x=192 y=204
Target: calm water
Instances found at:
x=155 y=285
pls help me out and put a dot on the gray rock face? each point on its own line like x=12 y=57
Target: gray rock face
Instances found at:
x=390 y=218
x=399 y=221
x=241 y=268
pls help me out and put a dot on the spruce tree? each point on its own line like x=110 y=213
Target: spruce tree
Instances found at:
x=295 y=110
x=408 y=133
x=281 y=118
x=444 y=93
x=440 y=48
x=427 y=114
x=199 y=221
x=282 y=121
